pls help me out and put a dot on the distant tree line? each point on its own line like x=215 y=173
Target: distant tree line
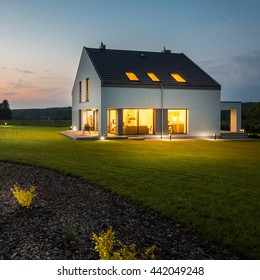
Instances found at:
x=5 y=111
x=56 y=113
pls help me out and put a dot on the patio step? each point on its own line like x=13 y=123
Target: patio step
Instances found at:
x=136 y=138
x=233 y=135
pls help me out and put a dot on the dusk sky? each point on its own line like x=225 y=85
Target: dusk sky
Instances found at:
x=41 y=42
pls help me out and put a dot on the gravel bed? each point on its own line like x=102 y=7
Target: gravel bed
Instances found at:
x=67 y=210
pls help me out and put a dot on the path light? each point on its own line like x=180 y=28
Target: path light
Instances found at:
x=102 y=138
x=5 y=123
x=215 y=136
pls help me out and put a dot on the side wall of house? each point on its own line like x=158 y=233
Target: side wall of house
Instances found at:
x=85 y=70
x=235 y=114
x=203 y=106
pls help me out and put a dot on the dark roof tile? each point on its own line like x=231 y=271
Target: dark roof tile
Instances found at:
x=111 y=66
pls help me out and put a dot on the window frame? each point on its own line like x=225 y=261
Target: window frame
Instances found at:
x=174 y=126
x=178 y=78
x=153 y=77
x=87 y=89
x=80 y=91
x=131 y=76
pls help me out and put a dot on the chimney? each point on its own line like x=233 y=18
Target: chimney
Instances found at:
x=102 y=46
x=165 y=51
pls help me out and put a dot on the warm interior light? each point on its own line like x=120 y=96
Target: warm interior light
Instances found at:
x=178 y=78
x=131 y=76
x=153 y=77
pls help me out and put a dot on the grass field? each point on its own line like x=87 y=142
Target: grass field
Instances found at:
x=212 y=187
x=39 y=122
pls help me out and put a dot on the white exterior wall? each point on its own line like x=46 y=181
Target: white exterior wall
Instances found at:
x=85 y=70
x=235 y=114
x=123 y=97
x=203 y=105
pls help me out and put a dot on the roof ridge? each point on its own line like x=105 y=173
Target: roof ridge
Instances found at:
x=111 y=65
x=137 y=51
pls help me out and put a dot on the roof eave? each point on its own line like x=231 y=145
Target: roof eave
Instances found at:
x=159 y=85
x=93 y=63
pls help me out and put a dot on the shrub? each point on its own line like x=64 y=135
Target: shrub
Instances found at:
x=23 y=196
x=105 y=244
x=254 y=135
x=70 y=231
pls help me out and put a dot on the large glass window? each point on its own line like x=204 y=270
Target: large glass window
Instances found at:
x=137 y=121
x=145 y=121
x=177 y=121
x=112 y=120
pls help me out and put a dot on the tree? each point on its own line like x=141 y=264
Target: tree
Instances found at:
x=5 y=111
x=252 y=121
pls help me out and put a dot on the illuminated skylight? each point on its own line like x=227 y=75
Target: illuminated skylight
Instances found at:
x=153 y=77
x=131 y=76
x=178 y=78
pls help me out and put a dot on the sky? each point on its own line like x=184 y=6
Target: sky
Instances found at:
x=41 y=42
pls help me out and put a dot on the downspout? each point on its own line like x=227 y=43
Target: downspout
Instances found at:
x=162 y=110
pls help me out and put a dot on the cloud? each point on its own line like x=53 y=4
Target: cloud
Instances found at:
x=26 y=71
x=243 y=69
x=10 y=93
x=23 y=71
x=20 y=84
x=239 y=75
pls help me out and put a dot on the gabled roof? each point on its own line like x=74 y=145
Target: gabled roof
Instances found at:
x=111 y=66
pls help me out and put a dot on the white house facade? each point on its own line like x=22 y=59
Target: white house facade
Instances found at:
x=118 y=92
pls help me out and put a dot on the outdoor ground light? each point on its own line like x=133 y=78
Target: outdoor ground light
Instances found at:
x=102 y=138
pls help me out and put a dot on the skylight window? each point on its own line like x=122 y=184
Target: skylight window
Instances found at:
x=153 y=77
x=178 y=78
x=131 y=76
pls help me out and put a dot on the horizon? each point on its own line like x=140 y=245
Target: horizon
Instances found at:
x=41 y=48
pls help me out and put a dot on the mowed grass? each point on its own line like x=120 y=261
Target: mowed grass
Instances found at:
x=212 y=187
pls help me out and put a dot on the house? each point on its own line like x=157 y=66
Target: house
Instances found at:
x=122 y=92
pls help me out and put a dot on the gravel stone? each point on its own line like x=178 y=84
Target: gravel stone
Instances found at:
x=67 y=210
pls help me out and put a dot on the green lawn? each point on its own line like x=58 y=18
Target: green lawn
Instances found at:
x=39 y=122
x=210 y=186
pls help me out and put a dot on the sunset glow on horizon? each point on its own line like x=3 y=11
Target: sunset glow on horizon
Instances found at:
x=41 y=42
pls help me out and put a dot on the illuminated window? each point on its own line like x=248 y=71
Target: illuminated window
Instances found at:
x=87 y=89
x=137 y=121
x=177 y=121
x=112 y=120
x=80 y=91
x=178 y=78
x=131 y=76
x=153 y=77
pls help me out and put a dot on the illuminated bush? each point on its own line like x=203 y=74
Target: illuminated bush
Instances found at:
x=105 y=244
x=23 y=196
